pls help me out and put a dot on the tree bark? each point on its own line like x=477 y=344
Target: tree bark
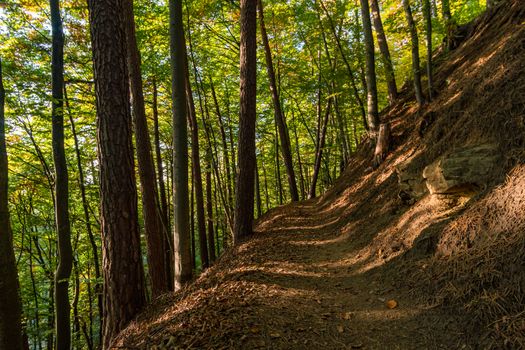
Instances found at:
x=224 y=146
x=319 y=151
x=124 y=292
x=65 y=251
x=385 y=51
x=212 y=146
x=279 y=116
x=209 y=210
x=10 y=305
x=181 y=232
x=85 y=207
x=415 y=53
x=157 y=266
x=371 y=84
x=164 y=209
x=197 y=174
x=158 y=156
x=258 y=202
x=244 y=194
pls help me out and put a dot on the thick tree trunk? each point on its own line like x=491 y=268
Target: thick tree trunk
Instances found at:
x=385 y=52
x=65 y=251
x=181 y=232
x=415 y=53
x=157 y=266
x=124 y=292
x=244 y=194
x=286 y=151
x=10 y=306
x=371 y=85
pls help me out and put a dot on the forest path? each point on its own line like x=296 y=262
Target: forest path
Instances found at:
x=299 y=283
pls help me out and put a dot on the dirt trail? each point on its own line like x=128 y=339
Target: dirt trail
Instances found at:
x=300 y=283
x=317 y=274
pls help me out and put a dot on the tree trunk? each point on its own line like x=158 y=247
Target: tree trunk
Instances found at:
x=319 y=151
x=65 y=251
x=182 y=240
x=85 y=207
x=342 y=131
x=299 y=162
x=224 y=146
x=278 y=170
x=192 y=224
x=157 y=267
x=279 y=116
x=371 y=85
x=258 y=202
x=51 y=316
x=76 y=317
x=244 y=194
x=10 y=306
x=197 y=173
x=35 y=297
x=415 y=53
x=385 y=52
x=212 y=145
x=427 y=11
x=209 y=210
x=124 y=292
x=168 y=252
x=158 y=157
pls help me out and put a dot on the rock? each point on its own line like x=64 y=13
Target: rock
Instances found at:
x=463 y=171
x=411 y=184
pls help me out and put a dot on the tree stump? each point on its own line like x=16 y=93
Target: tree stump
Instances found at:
x=383 y=144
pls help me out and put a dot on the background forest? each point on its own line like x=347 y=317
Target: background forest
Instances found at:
x=319 y=63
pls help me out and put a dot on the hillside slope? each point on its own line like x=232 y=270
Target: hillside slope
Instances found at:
x=439 y=228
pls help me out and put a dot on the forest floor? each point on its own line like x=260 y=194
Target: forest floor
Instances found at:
x=300 y=283
x=359 y=266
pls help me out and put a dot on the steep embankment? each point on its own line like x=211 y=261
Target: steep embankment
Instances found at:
x=318 y=274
